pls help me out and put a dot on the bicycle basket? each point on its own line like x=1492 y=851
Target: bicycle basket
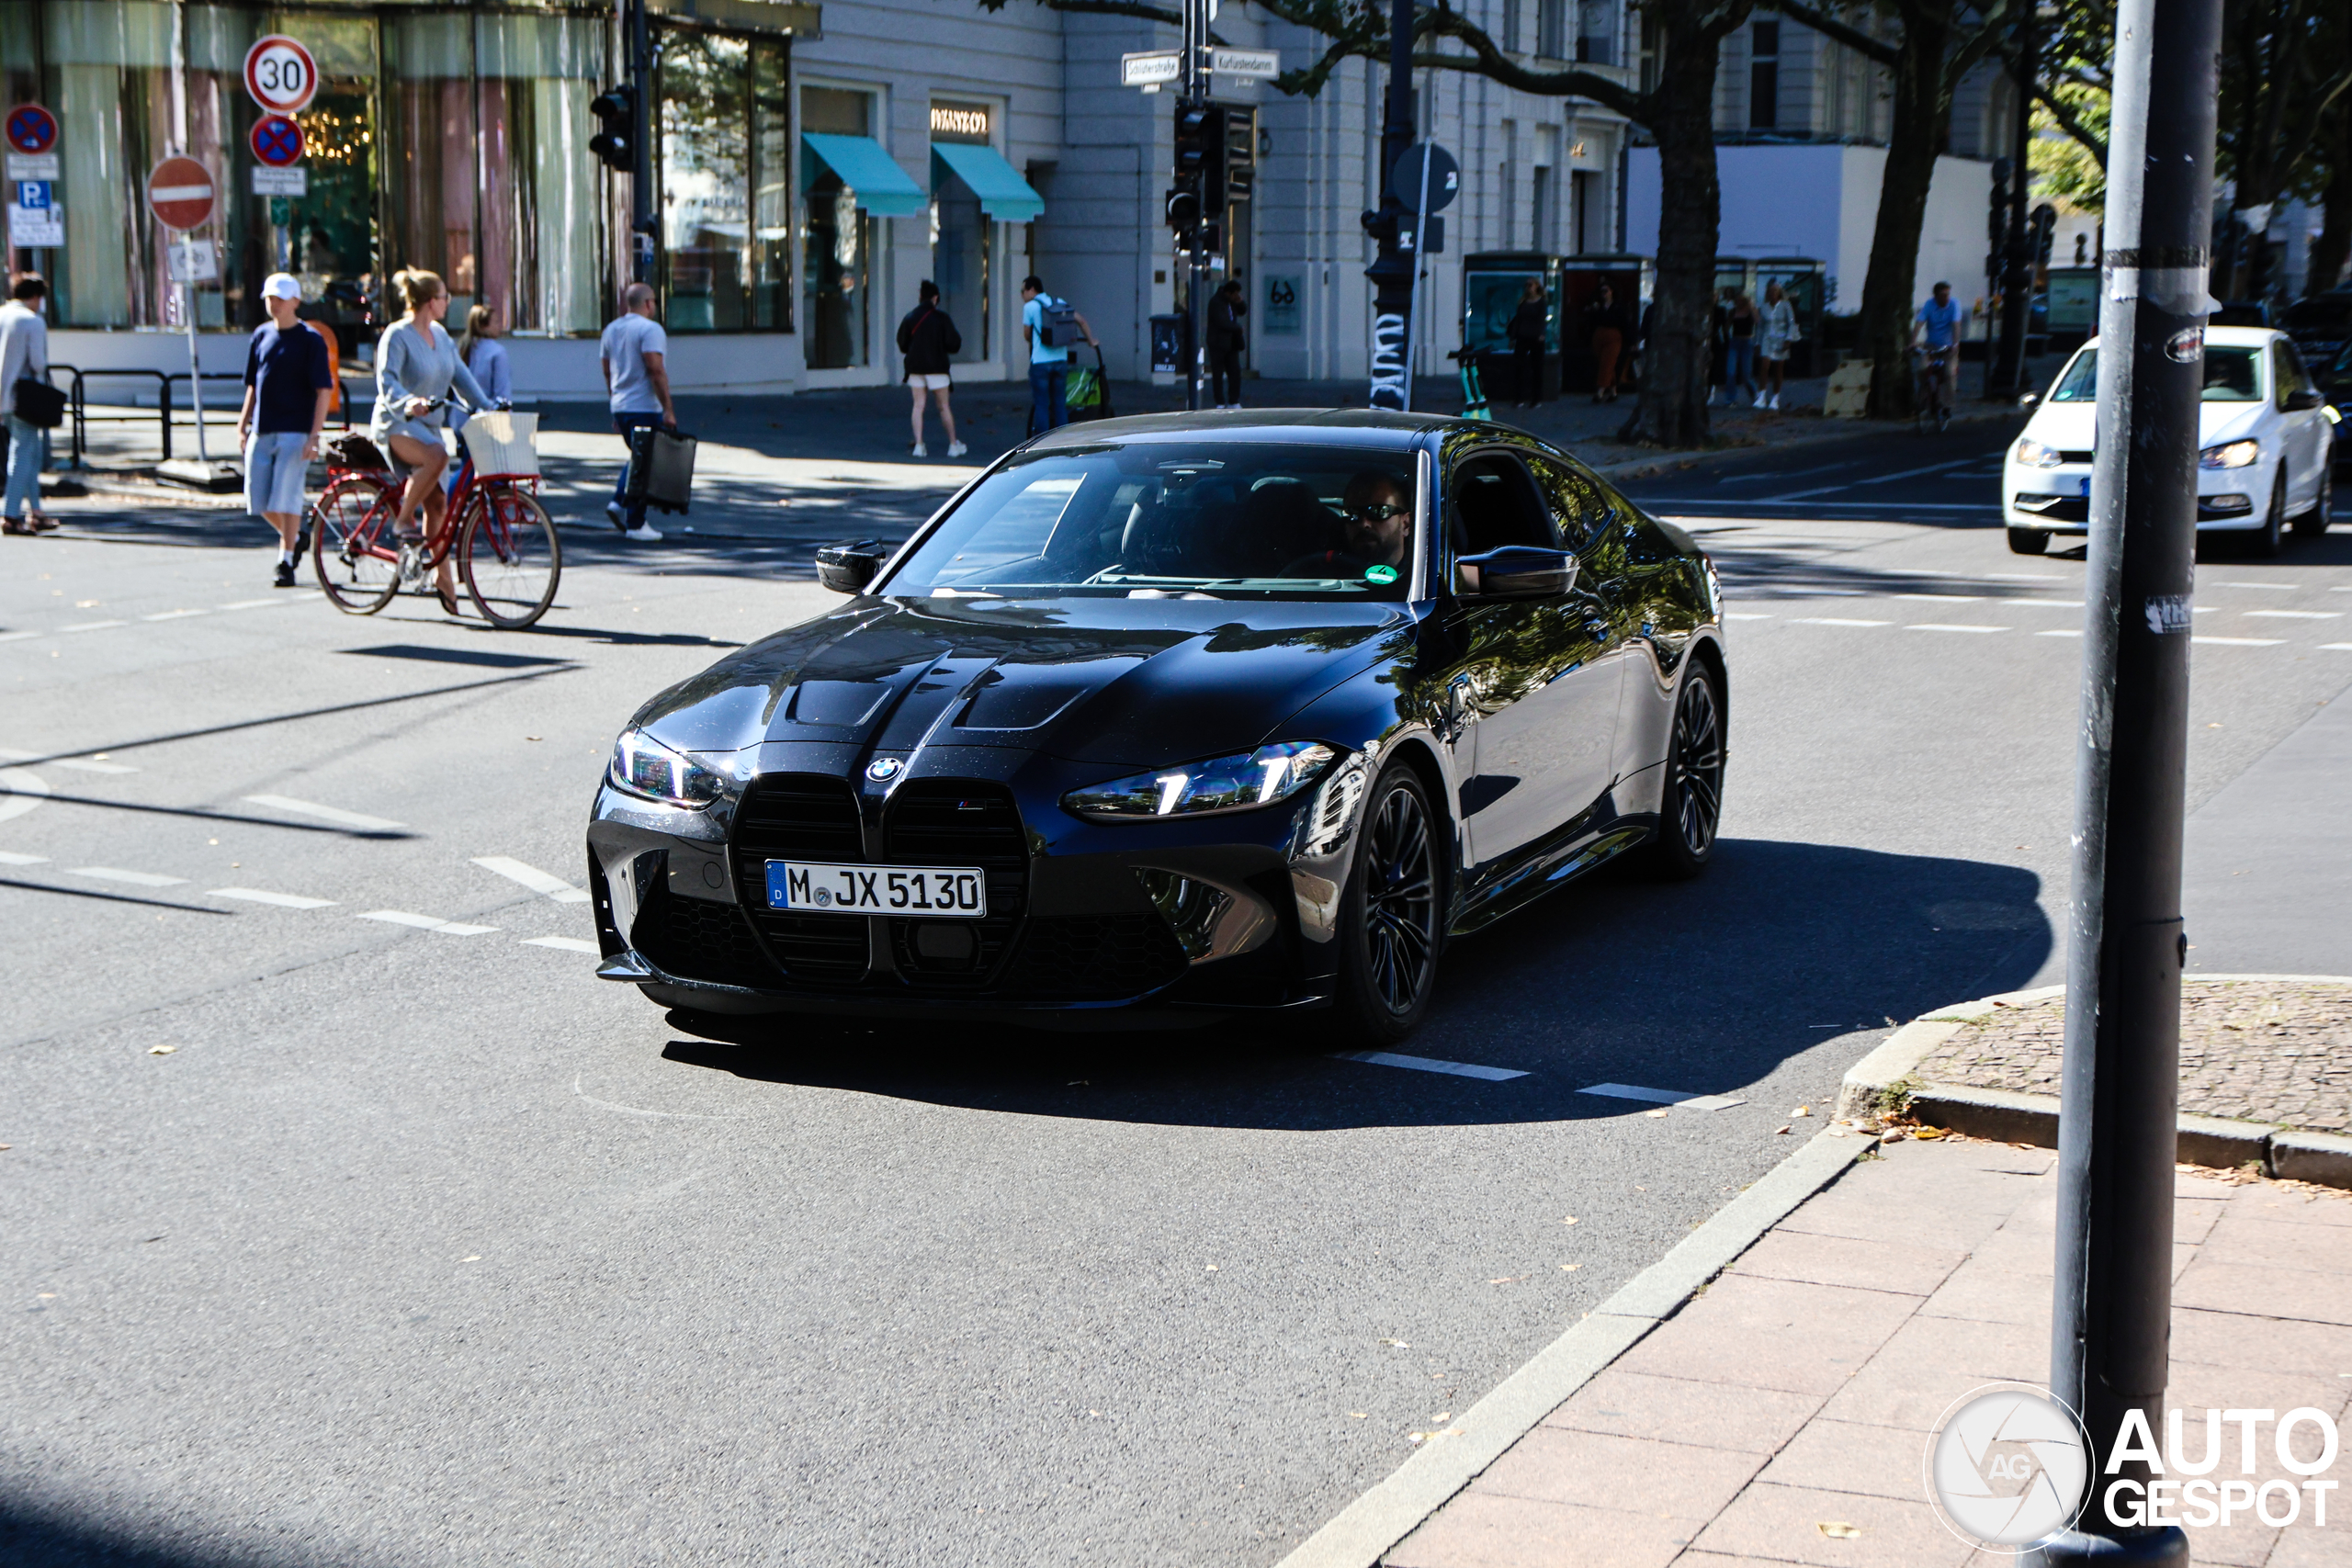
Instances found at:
x=353 y=451
x=502 y=443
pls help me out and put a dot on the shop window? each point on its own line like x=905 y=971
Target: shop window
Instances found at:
x=720 y=169
x=429 y=104
x=963 y=237
x=542 y=202
x=836 y=241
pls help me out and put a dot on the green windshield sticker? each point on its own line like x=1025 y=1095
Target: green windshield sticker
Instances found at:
x=1383 y=574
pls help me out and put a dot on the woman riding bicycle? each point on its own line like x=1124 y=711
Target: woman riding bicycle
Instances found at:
x=416 y=367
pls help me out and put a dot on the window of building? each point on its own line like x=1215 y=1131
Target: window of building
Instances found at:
x=1551 y=38
x=720 y=159
x=1764 y=75
x=963 y=238
x=1510 y=40
x=836 y=240
x=1653 y=46
x=1597 y=33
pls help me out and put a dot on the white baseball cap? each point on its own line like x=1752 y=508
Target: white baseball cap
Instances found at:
x=281 y=285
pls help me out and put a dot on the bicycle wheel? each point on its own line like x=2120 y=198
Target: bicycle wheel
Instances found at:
x=353 y=552
x=510 y=557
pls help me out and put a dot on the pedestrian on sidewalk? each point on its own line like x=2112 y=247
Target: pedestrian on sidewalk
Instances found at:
x=23 y=353
x=928 y=339
x=1739 y=351
x=635 y=352
x=1045 y=322
x=1604 y=330
x=417 y=370
x=1227 y=341
x=1775 y=333
x=289 y=384
x=1525 y=334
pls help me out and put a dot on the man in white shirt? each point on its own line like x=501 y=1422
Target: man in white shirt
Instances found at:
x=24 y=351
x=637 y=381
x=1048 y=365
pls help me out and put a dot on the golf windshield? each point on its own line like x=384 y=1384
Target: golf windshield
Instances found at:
x=2232 y=376
x=1152 y=519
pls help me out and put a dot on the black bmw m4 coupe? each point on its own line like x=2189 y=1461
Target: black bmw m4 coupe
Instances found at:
x=1172 y=720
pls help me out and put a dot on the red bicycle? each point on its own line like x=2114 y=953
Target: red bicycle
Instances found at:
x=506 y=547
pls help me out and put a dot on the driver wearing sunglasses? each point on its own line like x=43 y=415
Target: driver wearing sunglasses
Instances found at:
x=1377 y=514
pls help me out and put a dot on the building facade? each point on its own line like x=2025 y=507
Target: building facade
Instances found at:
x=813 y=165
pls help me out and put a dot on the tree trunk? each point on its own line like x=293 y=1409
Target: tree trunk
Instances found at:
x=1672 y=410
x=1922 y=116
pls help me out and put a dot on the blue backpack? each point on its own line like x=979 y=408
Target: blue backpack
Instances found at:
x=1057 y=323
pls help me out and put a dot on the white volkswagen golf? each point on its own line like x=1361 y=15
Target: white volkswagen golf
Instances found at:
x=2266 y=440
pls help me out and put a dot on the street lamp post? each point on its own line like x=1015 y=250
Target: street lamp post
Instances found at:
x=2112 y=1304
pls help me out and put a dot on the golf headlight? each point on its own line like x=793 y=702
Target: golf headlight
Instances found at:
x=1238 y=782
x=643 y=766
x=2034 y=454
x=2231 y=454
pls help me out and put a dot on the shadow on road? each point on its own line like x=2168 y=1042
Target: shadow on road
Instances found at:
x=1704 y=988
x=30 y=1538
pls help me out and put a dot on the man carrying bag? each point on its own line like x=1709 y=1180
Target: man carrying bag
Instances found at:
x=29 y=402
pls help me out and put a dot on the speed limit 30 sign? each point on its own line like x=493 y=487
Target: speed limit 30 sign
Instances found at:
x=281 y=74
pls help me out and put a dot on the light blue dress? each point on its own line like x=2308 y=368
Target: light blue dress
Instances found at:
x=416 y=360
x=490 y=368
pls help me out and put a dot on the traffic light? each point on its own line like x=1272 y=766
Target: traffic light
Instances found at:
x=615 y=143
x=1183 y=205
x=2042 y=227
x=1199 y=155
x=1240 y=154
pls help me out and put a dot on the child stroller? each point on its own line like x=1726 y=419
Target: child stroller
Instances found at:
x=1088 y=392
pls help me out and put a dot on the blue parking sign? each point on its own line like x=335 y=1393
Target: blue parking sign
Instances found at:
x=33 y=195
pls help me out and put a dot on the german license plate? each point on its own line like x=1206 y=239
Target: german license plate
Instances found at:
x=810 y=887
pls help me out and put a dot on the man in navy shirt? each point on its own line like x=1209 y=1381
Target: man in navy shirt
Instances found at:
x=289 y=385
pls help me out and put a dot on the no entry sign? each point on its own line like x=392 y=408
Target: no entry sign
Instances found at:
x=32 y=129
x=276 y=142
x=180 y=193
x=281 y=74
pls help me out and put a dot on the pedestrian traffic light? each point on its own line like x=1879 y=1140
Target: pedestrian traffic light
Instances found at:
x=1183 y=205
x=615 y=143
x=1200 y=154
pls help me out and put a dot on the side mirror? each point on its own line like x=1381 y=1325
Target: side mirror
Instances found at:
x=847 y=569
x=2031 y=399
x=1515 y=572
x=2302 y=398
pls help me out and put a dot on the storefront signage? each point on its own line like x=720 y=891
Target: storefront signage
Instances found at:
x=281 y=74
x=276 y=142
x=33 y=218
x=281 y=182
x=959 y=122
x=180 y=193
x=1261 y=64
x=1282 y=306
x=1150 y=69
x=192 y=261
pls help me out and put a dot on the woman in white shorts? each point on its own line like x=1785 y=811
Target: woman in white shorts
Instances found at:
x=928 y=339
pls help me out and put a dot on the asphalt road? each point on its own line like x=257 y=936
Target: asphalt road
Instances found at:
x=333 y=1238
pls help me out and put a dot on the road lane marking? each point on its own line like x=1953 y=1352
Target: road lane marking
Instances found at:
x=425 y=922
x=2266 y=587
x=282 y=901
x=1799 y=474
x=252 y=603
x=86 y=764
x=93 y=625
x=173 y=615
x=135 y=878
x=2070 y=631
x=1945 y=598
x=24 y=790
x=532 y=877
x=564 y=945
x=1665 y=1097
x=1739 y=618
x=1834 y=621
x=10 y=857
x=2017 y=576
x=1941 y=626
x=2048 y=604
x=324 y=813
x=2336 y=647
x=18 y=636
x=1428 y=1065
x=2241 y=641
x=2297 y=615
x=1915 y=473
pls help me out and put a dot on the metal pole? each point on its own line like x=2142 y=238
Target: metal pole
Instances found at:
x=641 y=177
x=194 y=371
x=1392 y=271
x=2112 y=1303
x=2017 y=278
x=1197 y=29
x=1420 y=242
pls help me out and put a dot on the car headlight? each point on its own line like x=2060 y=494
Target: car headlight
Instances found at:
x=2231 y=454
x=643 y=766
x=1239 y=783
x=2034 y=454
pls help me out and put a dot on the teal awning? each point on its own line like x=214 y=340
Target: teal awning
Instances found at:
x=1003 y=193
x=867 y=167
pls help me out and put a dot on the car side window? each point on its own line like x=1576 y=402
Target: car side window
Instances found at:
x=2288 y=376
x=1581 y=509
x=1491 y=501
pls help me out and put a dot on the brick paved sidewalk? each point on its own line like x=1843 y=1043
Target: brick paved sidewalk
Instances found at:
x=1798 y=1389
x=2276 y=1051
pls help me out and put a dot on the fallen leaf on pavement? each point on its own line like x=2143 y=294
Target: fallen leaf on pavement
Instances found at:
x=1399 y=1344
x=1571 y=1267
x=1660 y=1112
x=1504 y=1281
x=1211 y=1268
x=475 y=1259
x=1441 y=1418
x=1836 y=1530
x=161 y=1050
x=1569 y=1221
x=1357 y=1415
x=1778 y=1131
x=1802 y=1110
x=1929 y=1133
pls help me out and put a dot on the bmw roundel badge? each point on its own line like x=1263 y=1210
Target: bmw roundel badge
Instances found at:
x=882 y=770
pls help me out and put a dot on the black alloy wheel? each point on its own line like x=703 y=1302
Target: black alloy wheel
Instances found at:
x=1691 y=804
x=2313 y=523
x=2267 y=540
x=1394 y=924
x=2029 y=541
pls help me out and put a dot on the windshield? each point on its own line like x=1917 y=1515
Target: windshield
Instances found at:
x=1152 y=520
x=2232 y=376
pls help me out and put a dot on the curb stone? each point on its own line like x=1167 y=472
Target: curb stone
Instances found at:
x=1886 y=1079
x=1368 y=1528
